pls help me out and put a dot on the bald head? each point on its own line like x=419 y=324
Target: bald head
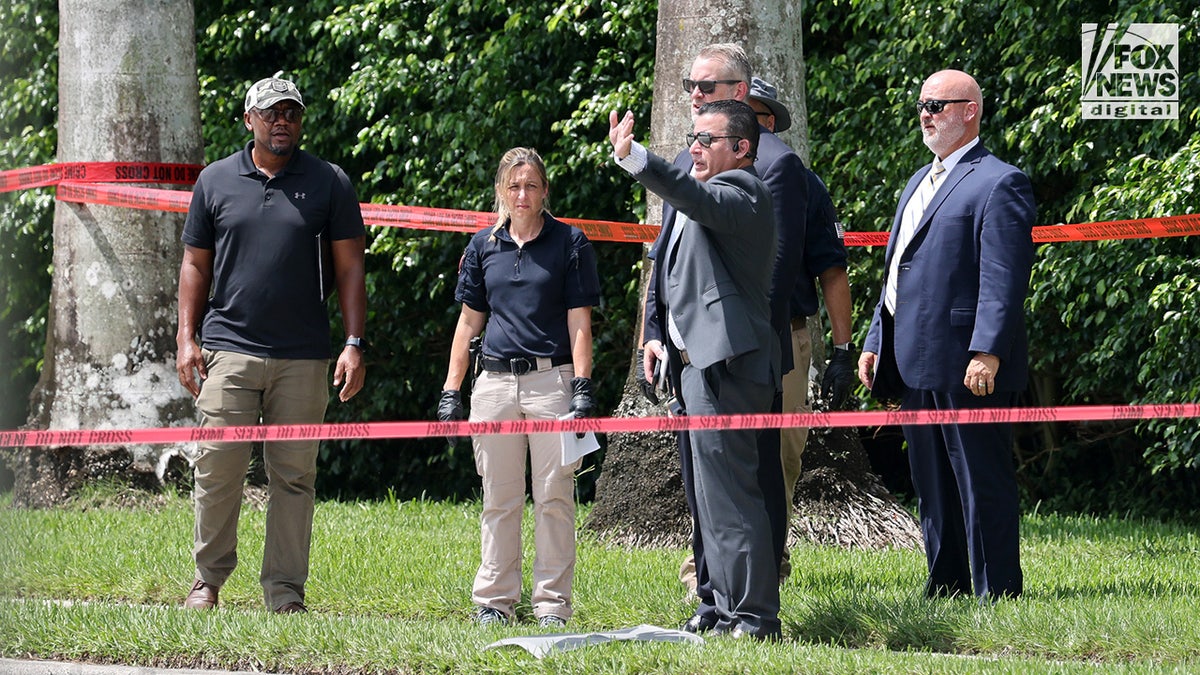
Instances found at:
x=958 y=84
x=958 y=123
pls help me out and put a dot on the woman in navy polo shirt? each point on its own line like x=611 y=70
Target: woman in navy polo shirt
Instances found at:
x=531 y=281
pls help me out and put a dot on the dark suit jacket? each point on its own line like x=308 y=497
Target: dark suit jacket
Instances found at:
x=786 y=178
x=962 y=282
x=718 y=286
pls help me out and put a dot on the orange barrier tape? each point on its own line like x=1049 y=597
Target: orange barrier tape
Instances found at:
x=1141 y=228
x=77 y=183
x=866 y=238
x=451 y=220
x=102 y=172
x=149 y=199
x=423 y=429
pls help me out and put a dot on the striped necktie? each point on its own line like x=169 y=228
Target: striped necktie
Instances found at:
x=914 y=211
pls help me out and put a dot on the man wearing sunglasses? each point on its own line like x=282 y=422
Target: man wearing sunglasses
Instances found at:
x=252 y=289
x=712 y=312
x=721 y=72
x=948 y=333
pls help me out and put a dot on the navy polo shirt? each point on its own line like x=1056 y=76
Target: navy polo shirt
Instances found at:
x=526 y=291
x=265 y=299
x=824 y=247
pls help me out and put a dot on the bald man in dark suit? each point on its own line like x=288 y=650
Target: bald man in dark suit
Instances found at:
x=949 y=334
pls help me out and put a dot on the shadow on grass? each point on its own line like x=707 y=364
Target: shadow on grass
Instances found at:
x=1124 y=588
x=862 y=620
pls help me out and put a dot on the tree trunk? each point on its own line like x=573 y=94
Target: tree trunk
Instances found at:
x=127 y=92
x=639 y=495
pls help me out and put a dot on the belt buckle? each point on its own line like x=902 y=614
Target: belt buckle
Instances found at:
x=520 y=365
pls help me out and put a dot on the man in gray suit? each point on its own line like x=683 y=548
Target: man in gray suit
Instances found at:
x=712 y=321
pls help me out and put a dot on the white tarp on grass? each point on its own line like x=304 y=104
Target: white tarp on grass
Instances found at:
x=541 y=645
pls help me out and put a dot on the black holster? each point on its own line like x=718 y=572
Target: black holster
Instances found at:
x=475 y=352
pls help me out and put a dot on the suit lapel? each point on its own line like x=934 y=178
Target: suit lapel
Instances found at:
x=961 y=170
x=675 y=236
x=913 y=184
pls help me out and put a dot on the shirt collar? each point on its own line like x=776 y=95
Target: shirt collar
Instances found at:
x=246 y=165
x=953 y=158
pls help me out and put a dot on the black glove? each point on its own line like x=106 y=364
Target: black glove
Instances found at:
x=583 y=401
x=839 y=377
x=643 y=384
x=450 y=407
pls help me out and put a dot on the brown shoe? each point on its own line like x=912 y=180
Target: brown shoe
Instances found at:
x=203 y=596
x=294 y=607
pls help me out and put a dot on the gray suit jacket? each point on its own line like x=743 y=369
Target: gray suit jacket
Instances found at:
x=719 y=282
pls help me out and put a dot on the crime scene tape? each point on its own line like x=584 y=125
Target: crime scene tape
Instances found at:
x=423 y=429
x=77 y=182
x=149 y=199
x=98 y=172
x=1139 y=228
x=451 y=220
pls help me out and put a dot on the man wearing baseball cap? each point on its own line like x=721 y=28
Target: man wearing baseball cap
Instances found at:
x=269 y=229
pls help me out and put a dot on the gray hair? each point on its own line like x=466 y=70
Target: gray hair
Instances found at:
x=734 y=58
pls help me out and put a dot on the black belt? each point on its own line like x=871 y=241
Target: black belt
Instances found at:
x=523 y=364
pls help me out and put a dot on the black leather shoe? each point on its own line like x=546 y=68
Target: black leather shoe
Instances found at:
x=699 y=624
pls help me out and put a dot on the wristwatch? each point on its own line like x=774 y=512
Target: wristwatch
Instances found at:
x=357 y=342
x=845 y=346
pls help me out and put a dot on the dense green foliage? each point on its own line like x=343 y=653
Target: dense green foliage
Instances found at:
x=28 y=97
x=391 y=583
x=418 y=99
x=1109 y=321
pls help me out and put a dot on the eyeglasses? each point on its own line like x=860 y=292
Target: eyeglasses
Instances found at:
x=706 y=86
x=706 y=139
x=935 y=106
x=269 y=115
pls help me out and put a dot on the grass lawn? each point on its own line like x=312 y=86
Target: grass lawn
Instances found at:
x=390 y=593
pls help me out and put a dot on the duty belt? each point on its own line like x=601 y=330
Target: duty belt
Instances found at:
x=523 y=364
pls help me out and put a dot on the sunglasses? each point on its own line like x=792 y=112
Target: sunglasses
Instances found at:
x=290 y=115
x=706 y=139
x=706 y=86
x=935 y=106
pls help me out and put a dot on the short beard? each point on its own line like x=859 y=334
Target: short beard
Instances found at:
x=280 y=151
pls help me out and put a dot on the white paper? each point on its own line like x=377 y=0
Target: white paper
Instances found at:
x=543 y=645
x=573 y=449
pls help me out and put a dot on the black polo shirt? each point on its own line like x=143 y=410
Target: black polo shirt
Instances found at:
x=527 y=291
x=824 y=247
x=266 y=294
